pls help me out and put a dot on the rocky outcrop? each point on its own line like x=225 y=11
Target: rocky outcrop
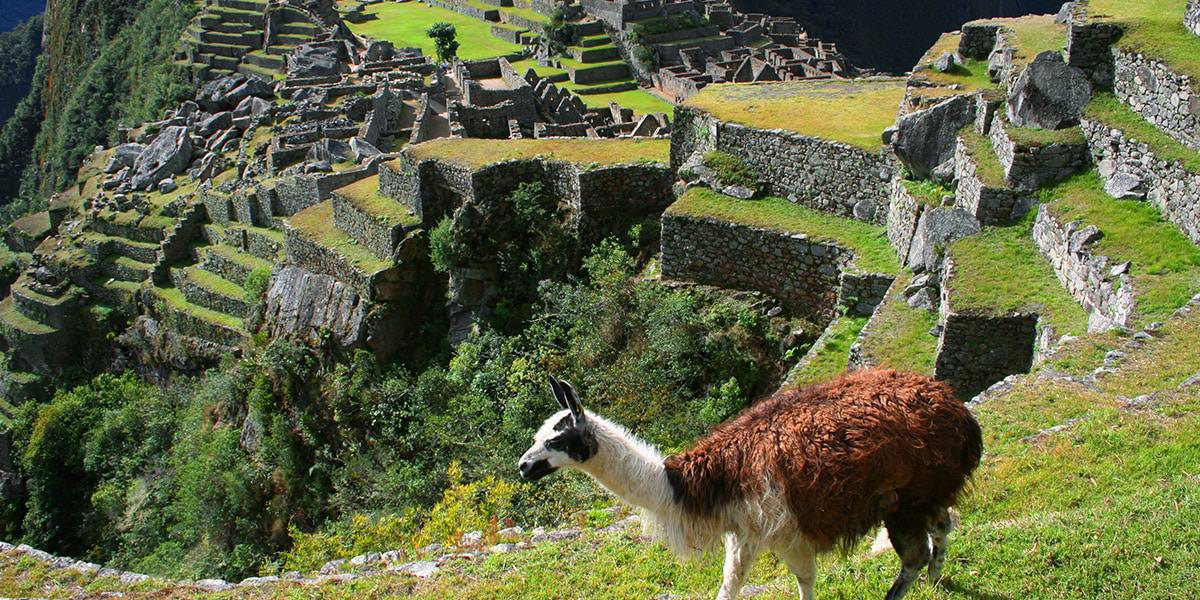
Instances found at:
x=309 y=306
x=925 y=140
x=936 y=228
x=168 y=155
x=1049 y=94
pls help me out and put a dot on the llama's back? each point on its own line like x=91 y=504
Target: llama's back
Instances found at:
x=845 y=453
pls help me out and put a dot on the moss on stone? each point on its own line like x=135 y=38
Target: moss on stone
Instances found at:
x=476 y=153
x=869 y=243
x=11 y=317
x=854 y=112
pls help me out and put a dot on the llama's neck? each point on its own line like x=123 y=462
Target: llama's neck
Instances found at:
x=628 y=467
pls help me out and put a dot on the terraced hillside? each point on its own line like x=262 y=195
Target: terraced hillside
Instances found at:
x=231 y=36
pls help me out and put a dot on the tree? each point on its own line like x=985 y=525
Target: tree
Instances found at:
x=443 y=35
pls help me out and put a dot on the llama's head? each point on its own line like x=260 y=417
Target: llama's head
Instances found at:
x=566 y=439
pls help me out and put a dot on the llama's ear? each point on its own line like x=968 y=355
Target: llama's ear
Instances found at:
x=573 y=402
x=559 y=395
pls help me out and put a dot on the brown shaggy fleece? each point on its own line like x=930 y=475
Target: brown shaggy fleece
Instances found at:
x=847 y=453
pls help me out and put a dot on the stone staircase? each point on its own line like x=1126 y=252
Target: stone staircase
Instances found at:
x=246 y=36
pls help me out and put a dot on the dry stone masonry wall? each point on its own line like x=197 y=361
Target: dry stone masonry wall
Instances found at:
x=991 y=205
x=1102 y=287
x=1174 y=190
x=828 y=176
x=1160 y=95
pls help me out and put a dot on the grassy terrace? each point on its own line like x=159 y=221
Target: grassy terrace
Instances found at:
x=1035 y=34
x=987 y=166
x=872 y=252
x=831 y=357
x=581 y=151
x=1001 y=271
x=1154 y=28
x=404 y=25
x=1105 y=108
x=972 y=75
x=10 y=316
x=174 y=300
x=899 y=334
x=812 y=108
x=214 y=283
x=1037 y=138
x=1166 y=265
x=315 y=224
x=364 y=195
x=640 y=101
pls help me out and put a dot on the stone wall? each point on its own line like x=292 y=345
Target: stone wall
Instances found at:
x=977 y=40
x=990 y=205
x=1103 y=287
x=1166 y=184
x=1034 y=167
x=828 y=176
x=1089 y=47
x=904 y=212
x=1191 y=17
x=976 y=351
x=807 y=277
x=1160 y=95
x=380 y=237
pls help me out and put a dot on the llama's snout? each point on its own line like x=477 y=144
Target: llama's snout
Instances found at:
x=533 y=470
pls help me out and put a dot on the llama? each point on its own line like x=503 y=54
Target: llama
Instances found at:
x=800 y=473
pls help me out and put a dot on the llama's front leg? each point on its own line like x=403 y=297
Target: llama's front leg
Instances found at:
x=801 y=560
x=739 y=558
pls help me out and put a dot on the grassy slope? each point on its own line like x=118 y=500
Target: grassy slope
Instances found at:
x=814 y=108
x=832 y=357
x=1104 y=507
x=873 y=254
x=899 y=335
x=1166 y=265
x=1001 y=271
x=404 y=25
x=581 y=151
x=1154 y=28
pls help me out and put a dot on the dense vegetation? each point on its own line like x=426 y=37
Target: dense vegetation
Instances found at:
x=19 y=50
x=218 y=475
x=108 y=63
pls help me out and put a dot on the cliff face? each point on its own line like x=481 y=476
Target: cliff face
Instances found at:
x=890 y=35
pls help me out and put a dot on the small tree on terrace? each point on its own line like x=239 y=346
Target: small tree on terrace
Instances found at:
x=443 y=36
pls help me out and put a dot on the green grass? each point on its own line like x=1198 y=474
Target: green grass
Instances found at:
x=927 y=192
x=1001 y=271
x=854 y=112
x=987 y=166
x=545 y=71
x=364 y=194
x=11 y=317
x=404 y=24
x=731 y=169
x=175 y=300
x=1107 y=109
x=972 y=75
x=1165 y=263
x=1034 y=34
x=898 y=337
x=581 y=151
x=830 y=356
x=214 y=283
x=639 y=101
x=315 y=223
x=246 y=260
x=872 y=252
x=1154 y=28
x=1037 y=138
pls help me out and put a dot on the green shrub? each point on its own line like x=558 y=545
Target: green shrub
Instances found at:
x=256 y=284
x=731 y=170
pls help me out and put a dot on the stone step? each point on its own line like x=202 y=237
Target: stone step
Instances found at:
x=261 y=59
x=280 y=49
x=45 y=309
x=261 y=242
x=232 y=15
x=20 y=330
x=185 y=318
x=231 y=263
x=592 y=41
x=595 y=55
x=134 y=226
x=104 y=245
x=314 y=243
x=225 y=63
x=372 y=219
x=590 y=29
x=247 y=5
x=234 y=51
x=207 y=289
x=303 y=28
x=291 y=14
x=214 y=22
x=290 y=39
x=253 y=70
x=116 y=293
x=597 y=72
x=123 y=268
x=233 y=39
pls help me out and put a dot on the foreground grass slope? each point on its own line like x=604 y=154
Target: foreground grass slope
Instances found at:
x=1088 y=489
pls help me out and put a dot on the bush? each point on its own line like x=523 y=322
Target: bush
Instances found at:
x=731 y=170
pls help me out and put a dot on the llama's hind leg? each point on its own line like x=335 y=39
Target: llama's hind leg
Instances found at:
x=940 y=526
x=801 y=560
x=912 y=544
x=739 y=558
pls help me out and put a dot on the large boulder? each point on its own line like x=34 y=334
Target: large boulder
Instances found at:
x=1049 y=94
x=252 y=107
x=925 y=140
x=214 y=123
x=168 y=155
x=936 y=228
x=123 y=156
x=213 y=96
x=314 y=61
x=253 y=87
